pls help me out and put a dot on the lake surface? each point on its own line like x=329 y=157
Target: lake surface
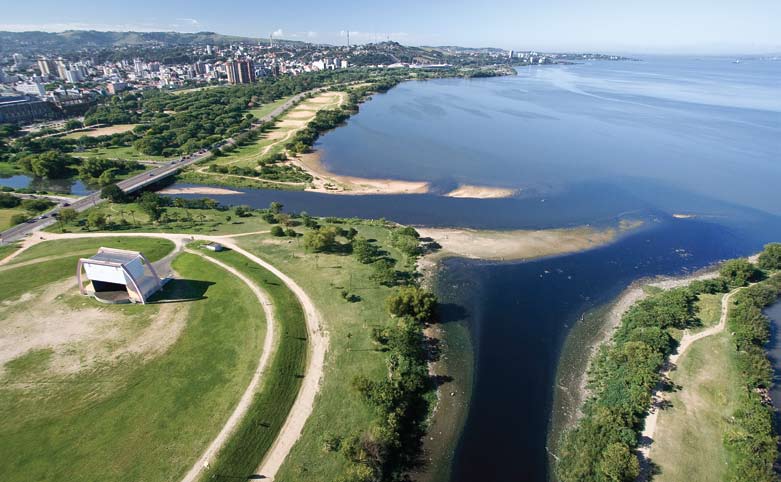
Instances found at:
x=61 y=186
x=587 y=144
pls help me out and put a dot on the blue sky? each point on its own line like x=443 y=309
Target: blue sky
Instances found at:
x=642 y=26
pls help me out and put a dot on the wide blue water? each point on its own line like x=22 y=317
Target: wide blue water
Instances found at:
x=586 y=144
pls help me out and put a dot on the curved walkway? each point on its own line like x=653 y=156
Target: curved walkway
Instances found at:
x=246 y=398
x=310 y=386
x=659 y=397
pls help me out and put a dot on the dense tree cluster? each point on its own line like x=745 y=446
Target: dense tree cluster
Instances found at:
x=770 y=258
x=751 y=436
x=738 y=272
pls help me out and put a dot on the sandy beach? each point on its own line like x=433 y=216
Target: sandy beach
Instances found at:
x=205 y=190
x=328 y=182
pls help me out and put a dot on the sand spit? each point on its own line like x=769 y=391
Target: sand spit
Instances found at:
x=481 y=192
x=521 y=244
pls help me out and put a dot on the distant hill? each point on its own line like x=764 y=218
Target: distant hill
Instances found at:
x=78 y=40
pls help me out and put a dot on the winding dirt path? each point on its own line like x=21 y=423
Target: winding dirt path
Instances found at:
x=246 y=398
x=659 y=396
x=310 y=386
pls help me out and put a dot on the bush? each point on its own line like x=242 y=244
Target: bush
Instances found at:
x=770 y=258
x=18 y=219
x=277 y=231
x=738 y=272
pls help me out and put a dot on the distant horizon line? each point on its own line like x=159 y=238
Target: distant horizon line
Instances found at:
x=687 y=50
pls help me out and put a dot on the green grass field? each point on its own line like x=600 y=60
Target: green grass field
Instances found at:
x=688 y=442
x=7 y=169
x=709 y=306
x=6 y=214
x=248 y=445
x=7 y=249
x=266 y=109
x=135 y=419
x=338 y=410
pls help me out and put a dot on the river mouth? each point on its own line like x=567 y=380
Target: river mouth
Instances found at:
x=663 y=141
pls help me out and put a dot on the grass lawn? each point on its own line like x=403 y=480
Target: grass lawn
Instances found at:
x=6 y=214
x=101 y=131
x=152 y=248
x=7 y=249
x=280 y=384
x=123 y=152
x=266 y=109
x=339 y=410
x=135 y=419
x=709 y=306
x=688 y=443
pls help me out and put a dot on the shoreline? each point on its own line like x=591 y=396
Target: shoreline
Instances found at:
x=595 y=328
x=325 y=181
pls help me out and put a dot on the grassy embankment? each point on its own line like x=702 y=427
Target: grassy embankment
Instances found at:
x=281 y=382
x=133 y=418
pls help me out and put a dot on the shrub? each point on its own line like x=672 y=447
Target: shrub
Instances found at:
x=277 y=231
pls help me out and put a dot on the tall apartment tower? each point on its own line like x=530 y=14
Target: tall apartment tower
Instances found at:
x=240 y=71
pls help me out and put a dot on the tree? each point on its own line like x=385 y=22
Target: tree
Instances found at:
x=152 y=204
x=113 y=193
x=364 y=251
x=275 y=207
x=277 y=231
x=68 y=215
x=770 y=258
x=384 y=273
x=18 y=219
x=243 y=211
x=414 y=302
x=96 y=220
x=738 y=272
x=618 y=464
x=323 y=239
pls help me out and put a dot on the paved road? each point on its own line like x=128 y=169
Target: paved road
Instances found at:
x=134 y=183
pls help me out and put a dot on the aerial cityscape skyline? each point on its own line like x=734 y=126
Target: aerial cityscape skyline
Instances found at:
x=663 y=27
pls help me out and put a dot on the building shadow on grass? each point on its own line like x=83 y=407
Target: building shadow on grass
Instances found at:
x=181 y=290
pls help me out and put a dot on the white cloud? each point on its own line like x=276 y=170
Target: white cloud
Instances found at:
x=277 y=33
x=311 y=34
x=362 y=36
x=190 y=21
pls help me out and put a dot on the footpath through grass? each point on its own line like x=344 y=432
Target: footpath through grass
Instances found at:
x=689 y=438
x=279 y=385
x=137 y=419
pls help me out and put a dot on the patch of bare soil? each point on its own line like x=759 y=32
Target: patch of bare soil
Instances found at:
x=82 y=332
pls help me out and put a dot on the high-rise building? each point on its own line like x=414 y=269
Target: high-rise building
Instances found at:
x=240 y=71
x=47 y=66
x=61 y=69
